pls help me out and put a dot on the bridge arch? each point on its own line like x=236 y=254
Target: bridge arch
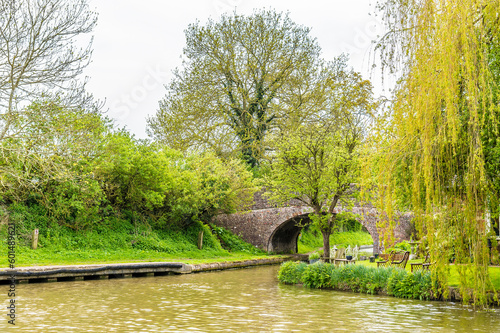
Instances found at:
x=284 y=239
x=274 y=229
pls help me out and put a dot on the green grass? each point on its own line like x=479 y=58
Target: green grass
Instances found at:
x=42 y=257
x=366 y=277
x=121 y=241
x=493 y=271
x=311 y=240
x=453 y=278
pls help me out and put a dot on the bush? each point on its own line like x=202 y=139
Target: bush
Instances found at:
x=291 y=272
x=410 y=285
x=314 y=255
x=318 y=275
x=359 y=278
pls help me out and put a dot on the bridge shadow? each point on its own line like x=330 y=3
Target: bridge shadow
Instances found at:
x=285 y=237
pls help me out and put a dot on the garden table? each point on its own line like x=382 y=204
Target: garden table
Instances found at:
x=345 y=261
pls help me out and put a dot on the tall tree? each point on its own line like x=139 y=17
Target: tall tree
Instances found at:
x=37 y=54
x=57 y=145
x=318 y=161
x=434 y=149
x=231 y=89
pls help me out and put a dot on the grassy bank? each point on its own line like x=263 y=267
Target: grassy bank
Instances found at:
x=28 y=257
x=453 y=278
x=120 y=239
x=358 y=278
x=311 y=239
x=366 y=278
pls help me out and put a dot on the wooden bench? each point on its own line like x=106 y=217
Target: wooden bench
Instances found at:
x=396 y=259
x=392 y=256
x=421 y=265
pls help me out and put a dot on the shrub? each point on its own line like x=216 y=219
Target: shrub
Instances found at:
x=359 y=278
x=314 y=255
x=318 y=275
x=291 y=272
x=409 y=285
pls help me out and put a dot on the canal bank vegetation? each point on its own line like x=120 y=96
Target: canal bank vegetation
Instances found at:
x=359 y=278
x=369 y=279
x=93 y=191
x=120 y=240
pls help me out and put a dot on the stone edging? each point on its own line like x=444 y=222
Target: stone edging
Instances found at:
x=99 y=271
x=217 y=266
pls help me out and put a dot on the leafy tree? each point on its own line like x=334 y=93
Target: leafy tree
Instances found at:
x=58 y=145
x=163 y=184
x=52 y=164
x=235 y=84
x=37 y=55
x=491 y=129
x=136 y=175
x=318 y=162
x=438 y=149
x=48 y=125
x=223 y=186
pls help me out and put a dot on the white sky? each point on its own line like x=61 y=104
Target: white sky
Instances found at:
x=137 y=44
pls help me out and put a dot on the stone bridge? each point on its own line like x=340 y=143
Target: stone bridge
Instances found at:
x=275 y=229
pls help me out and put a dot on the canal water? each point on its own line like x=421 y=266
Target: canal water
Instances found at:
x=243 y=300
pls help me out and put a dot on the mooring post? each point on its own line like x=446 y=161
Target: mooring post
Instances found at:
x=200 y=240
x=34 y=239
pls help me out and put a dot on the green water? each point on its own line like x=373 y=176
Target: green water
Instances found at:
x=245 y=300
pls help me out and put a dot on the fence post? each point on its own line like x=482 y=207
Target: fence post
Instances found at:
x=34 y=239
x=200 y=240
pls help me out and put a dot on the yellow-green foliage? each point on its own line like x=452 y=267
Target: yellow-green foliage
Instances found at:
x=430 y=154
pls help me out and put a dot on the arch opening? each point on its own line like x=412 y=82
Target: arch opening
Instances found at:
x=285 y=237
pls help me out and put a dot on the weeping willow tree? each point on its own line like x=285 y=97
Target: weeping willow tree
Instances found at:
x=436 y=147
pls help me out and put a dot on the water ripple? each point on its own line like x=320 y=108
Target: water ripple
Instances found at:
x=247 y=300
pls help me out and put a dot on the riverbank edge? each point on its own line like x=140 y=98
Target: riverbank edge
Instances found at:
x=57 y=273
x=217 y=266
x=453 y=294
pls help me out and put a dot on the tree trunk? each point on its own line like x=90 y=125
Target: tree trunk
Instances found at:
x=326 y=242
x=326 y=231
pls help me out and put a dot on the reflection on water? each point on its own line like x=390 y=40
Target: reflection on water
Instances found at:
x=244 y=300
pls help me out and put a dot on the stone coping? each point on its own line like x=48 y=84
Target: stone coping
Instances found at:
x=237 y=264
x=88 y=271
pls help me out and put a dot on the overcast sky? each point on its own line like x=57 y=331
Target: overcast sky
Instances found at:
x=137 y=44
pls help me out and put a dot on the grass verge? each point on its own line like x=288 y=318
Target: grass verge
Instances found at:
x=453 y=278
x=311 y=239
x=123 y=242
x=367 y=278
